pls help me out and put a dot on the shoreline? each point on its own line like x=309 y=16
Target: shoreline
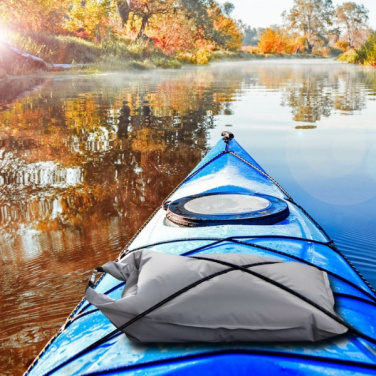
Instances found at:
x=127 y=66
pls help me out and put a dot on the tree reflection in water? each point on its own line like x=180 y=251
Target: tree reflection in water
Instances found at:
x=83 y=164
x=85 y=160
x=311 y=96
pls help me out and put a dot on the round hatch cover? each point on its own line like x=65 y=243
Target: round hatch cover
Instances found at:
x=227 y=208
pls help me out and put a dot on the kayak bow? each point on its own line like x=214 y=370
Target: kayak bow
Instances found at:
x=228 y=204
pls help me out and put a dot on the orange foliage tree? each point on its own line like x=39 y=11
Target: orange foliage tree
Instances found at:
x=230 y=32
x=89 y=19
x=227 y=33
x=278 y=42
x=272 y=42
x=173 y=33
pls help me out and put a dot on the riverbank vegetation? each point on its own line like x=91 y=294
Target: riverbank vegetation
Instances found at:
x=150 y=33
x=364 y=55
x=125 y=33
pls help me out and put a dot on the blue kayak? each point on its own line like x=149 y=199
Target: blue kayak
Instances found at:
x=206 y=214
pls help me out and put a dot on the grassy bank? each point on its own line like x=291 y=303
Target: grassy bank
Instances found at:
x=111 y=53
x=117 y=54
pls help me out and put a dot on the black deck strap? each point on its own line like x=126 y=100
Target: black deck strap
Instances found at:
x=146 y=312
x=234 y=239
x=170 y=241
x=358 y=298
x=290 y=199
x=280 y=237
x=232 y=267
x=295 y=293
x=297 y=258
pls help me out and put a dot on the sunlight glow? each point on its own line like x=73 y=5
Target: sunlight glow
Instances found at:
x=3 y=33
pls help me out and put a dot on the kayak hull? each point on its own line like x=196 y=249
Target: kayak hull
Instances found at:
x=227 y=169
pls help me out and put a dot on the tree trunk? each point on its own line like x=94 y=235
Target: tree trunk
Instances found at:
x=142 y=29
x=124 y=10
x=350 y=40
x=310 y=47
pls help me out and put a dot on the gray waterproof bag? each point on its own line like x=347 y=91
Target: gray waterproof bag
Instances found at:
x=219 y=298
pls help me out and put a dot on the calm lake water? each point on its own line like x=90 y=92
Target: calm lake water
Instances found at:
x=85 y=159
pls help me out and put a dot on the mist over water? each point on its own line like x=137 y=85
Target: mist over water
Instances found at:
x=84 y=160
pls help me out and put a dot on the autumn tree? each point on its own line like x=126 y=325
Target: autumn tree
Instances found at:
x=312 y=18
x=173 y=33
x=89 y=18
x=273 y=42
x=229 y=30
x=146 y=9
x=353 y=18
x=188 y=20
x=198 y=12
x=227 y=33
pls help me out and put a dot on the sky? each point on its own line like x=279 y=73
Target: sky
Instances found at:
x=263 y=13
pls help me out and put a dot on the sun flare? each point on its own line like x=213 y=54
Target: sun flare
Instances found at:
x=3 y=33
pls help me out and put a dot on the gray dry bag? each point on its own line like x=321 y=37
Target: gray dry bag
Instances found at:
x=217 y=302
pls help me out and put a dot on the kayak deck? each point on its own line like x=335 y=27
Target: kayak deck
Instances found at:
x=226 y=169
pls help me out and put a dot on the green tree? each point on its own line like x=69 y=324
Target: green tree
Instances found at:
x=228 y=8
x=250 y=36
x=313 y=18
x=366 y=54
x=197 y=11
x=352 y=17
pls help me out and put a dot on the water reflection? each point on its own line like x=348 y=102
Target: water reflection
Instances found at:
x=313 y=96
x=13 y=89
x=54 y=147
x=77 y=161
x=85 y=160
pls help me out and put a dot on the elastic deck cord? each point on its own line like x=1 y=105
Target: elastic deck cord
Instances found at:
x=236 y=240
x=232 y=267
x=290 y=199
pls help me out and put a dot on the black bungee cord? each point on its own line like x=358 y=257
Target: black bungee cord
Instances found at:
x=231 y=267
